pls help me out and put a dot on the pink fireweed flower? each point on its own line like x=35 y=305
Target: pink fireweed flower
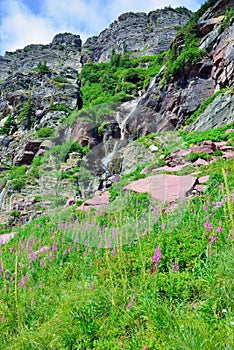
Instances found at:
x=157 y=255
x=26 y=277
x=2 y=319
x=92 y=286
x=130 y=304
x=70 y=250
x=208 y=225
x=219 y=229
x=205 y=207
x=212 y=239
x=163 y=226
x=65 y=252
x=21 y=283
x=114 y=252
x=175 y=267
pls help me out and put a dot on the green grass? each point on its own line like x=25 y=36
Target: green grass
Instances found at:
x=78 y=280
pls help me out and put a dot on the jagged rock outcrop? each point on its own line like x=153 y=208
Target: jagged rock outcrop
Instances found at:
x=145 y=34
x=167 y=108
x=63 y=52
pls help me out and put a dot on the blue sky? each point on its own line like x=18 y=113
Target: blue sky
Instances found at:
x=24 y=22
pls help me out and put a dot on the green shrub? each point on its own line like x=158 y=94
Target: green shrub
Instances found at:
x=27 y=116
x=45 y=132
x=42 y=67
x=8 y=126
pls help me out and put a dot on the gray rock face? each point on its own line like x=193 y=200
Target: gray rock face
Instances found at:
x=63 y=52
x=145 y=34
x=167 y=108
x=218 y=113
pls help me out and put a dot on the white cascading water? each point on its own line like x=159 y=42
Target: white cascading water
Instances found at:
x=127 y=106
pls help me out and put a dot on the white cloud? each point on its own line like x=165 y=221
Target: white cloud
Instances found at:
x=20 y=26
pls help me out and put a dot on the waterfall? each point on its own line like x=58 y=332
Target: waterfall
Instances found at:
x=108 y=158
x=131 y=105
x=2 y=195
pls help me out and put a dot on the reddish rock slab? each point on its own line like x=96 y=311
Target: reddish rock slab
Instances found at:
x=228 y=155
x=200 y=162
x=5 y=238
x=200 y=188
x=164 y=188
x=204 y=179
x=226 y=148
x=170 y=169
x=97 y=202
x=220 y=144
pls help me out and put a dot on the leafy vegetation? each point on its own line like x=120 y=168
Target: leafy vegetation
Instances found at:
x=9 y=126
x=27 y=115
x=118 y=80
x=132 y=277
x=216 y=134
x=45 y=132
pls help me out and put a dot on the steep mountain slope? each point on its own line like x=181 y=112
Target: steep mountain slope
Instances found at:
x=45 y=137
x=141 y=33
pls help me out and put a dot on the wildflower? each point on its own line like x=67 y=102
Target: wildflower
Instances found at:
x=114 y=252
x=219 y=229
x=85 y=253
x=130 y=304
x=92 y=286
x=70 y=249
x=90 y=263
x=205 y=207
x=157 y=255
x=26 y=277
x=144 y=347
x=21 y=283
x=212 y=239
x=2 y=319
x=65 y=252
x=99 y=245
x=114 y=232
x=163 y=226
x=63 y=240
x=208 y=225
x=175 y=267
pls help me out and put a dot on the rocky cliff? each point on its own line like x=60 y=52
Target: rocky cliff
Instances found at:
x=167 y=106
x=39 y=88
x=141 y=33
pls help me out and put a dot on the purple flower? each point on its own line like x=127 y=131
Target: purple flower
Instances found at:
x=92 y=286
x=205 y=207
x=163 y=226
x=63 y=240
x=208 y=225
x=70 y=249
x=90 y=263
x=2 y=319
x=99 y=245
x=26 y=277
x=65 y=252
x=21 y=283
x=212 y=239
x=114 y=235
x=130 y=304
x=219 y=229
x=85 y=253
x=157 y=255
x=114 y=252
x=175 y=267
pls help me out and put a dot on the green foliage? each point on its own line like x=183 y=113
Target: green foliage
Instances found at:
x=61 y=79
x=27 y=115
x=60 y=107
x=216 y=134
x=204 y=105
x=45 y=132
x=195 y=155
x=228 y=16
x=118 y=80
x=42 y=67
x=8 y=126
